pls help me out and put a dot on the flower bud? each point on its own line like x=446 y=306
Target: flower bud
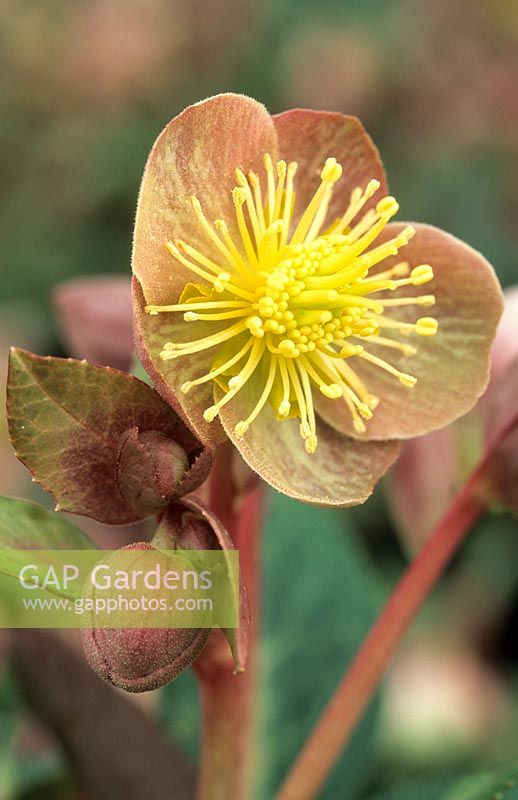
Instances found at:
x=150 y=469
x=141 y=659
x=500 y=479
x=189 y=525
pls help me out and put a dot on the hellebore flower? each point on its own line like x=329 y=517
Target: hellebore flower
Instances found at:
x=273 y=305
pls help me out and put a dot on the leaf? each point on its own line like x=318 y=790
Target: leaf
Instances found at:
x=501 y=785
x=422 y=790
x=66 y=421
x=27 y=526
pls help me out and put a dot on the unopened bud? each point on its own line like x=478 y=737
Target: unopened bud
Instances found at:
x=139 y=659
x=150 y=469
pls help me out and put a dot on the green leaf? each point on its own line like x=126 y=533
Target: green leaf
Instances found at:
x=501 y=785
x=66 y=422
x=27 y=526
x=321 y=597
x=422 y=790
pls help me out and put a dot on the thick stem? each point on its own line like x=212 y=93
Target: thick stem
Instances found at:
x=228 y=699
x=332 y=732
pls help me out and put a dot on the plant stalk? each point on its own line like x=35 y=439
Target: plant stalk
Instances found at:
x=353 y=694
x=228 y=699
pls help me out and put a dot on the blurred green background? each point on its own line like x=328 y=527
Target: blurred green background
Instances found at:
x=85 y=86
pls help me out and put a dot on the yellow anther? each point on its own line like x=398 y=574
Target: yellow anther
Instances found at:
x=284 y=408
x=172 y=249
x=407 y=380
x=287 y=346
x=281 y=169
x=186 y=387
x=253 y=180
x=241 y=428
x=255 y=326
x=371 y=188
x=364 y=410
x=238 y=196
x=275 y=228
x=421 y=274
x=310 y=444
x=221 y=225
x=241 y=178
x=388 y=206
x=333 y=391
x=210 y=414
x=332 y=171
x=426 y=326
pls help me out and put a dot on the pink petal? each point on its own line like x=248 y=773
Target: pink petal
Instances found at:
x=419 y=492
x=196 y=154
x=499 y=408
x=452 y=367
x=151 y=333
x=505 y=346
x=342 y=472
x=95 y=318
x=309 y=137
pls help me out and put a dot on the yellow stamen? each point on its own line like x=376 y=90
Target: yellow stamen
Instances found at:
x=176 y=349
x=242 y=427
x=290 y=302
x=237 y=382
x=187 y=386
x=209 y=230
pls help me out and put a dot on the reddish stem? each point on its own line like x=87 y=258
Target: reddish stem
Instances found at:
x=332 y=732
x=228 y=699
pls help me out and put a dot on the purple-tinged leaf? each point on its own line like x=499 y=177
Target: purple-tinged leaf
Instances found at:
x=69 y=420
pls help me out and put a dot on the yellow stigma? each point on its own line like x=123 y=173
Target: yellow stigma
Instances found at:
x=293 y=305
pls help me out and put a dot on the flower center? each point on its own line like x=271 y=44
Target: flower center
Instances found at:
x=291 y=305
